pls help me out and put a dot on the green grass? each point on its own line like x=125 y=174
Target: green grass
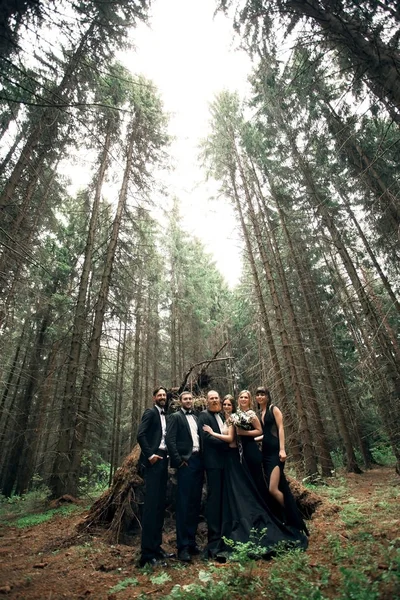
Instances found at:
x=357 y=586
x=160 y=579
x=212 y=590
x=33 y=501
x=291 y=576
x=122 y=585
x=38 y=518
x=352 y=516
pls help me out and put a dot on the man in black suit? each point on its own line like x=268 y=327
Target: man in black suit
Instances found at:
x=183 y=445
x=214 y=453
x=154 y=461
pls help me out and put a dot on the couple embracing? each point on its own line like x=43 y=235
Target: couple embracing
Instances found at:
x=237 y=506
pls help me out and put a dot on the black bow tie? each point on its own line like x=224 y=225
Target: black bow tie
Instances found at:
x=189 y=412
x=162 y=412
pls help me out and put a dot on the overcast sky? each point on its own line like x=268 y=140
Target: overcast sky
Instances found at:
x=191 y=55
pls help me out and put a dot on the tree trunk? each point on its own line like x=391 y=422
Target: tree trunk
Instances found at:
x=115 y=423
x=8 y=440
x=311 y=398
x=292 y=436
x=331 y=365
x=47 y=122
x=90 y=370
x=136 y=405
x=10 y=377
x=58 y=482
x=383 y=278
x=36 y=426
x=380 y=65
x=24 y=409
x=310 y=463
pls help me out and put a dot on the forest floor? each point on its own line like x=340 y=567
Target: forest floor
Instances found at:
x=354 y=553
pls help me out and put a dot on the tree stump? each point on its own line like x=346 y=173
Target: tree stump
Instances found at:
x=306 y=500
x=118 y=508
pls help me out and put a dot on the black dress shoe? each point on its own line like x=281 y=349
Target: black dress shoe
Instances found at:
x=194 y=550
x=184 y=556
x=207 y=555
x=152 y=562
x=164 y=554
x=221 y=557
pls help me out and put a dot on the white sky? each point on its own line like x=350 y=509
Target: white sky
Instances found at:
x=190 y=55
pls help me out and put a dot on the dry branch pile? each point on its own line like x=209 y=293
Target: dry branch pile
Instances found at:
x=118 y=508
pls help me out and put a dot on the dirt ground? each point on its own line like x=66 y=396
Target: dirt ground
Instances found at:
x=51 y=561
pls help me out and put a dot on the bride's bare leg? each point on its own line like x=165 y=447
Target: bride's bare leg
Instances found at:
x=273 y=486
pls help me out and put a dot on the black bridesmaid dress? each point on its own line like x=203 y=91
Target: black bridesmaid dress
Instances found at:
x=251 y=454
x=246 y=517
x=290 y=513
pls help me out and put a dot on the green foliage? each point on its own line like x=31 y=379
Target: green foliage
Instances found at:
x=246 y=552
x=338 y=458
x=393 y=560
x=20 y=505
x=38 y=519
x=122 y=585
x=351 y=515
x=357 y=586
x=160 y=579
x=340 y=551
x=94 y=474
x=291 y=576
x=239 y=577
x=212 y=590
x=382 y=453
x=337 y=492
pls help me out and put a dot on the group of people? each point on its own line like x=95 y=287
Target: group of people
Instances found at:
x=248 y=498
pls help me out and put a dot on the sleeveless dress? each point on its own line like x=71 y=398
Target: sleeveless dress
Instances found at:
x=290 y=514
x=253 y=458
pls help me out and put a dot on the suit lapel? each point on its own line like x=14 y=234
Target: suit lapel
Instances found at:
x=214 y=423
x=183 y=417
x=158 y=415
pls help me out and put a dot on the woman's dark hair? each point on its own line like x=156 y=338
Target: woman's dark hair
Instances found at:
x=265 y=390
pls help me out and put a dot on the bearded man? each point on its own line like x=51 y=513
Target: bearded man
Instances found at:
x=154 y=462
x=214 y=454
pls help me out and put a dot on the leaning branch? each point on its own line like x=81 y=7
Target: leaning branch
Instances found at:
x=203 y=362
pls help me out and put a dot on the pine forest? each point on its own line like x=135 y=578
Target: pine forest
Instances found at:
x=105 y=294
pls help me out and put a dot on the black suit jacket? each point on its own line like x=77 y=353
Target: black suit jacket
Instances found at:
x=214 y=450
x=149 y=434
x=179 y=438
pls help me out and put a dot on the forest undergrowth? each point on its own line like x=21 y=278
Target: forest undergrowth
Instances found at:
x=354 y=553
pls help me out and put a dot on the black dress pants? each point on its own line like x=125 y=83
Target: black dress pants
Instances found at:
x=156 y=477
x=215 y=479
x=188 y=501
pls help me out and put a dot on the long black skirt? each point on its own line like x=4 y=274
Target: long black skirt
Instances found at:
x=246 y=517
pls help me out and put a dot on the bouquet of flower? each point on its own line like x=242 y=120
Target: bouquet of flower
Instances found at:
x=243 y=419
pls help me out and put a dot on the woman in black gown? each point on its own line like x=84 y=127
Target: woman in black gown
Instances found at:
x=246 y=440
x=245 y=515
x=273 y=461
